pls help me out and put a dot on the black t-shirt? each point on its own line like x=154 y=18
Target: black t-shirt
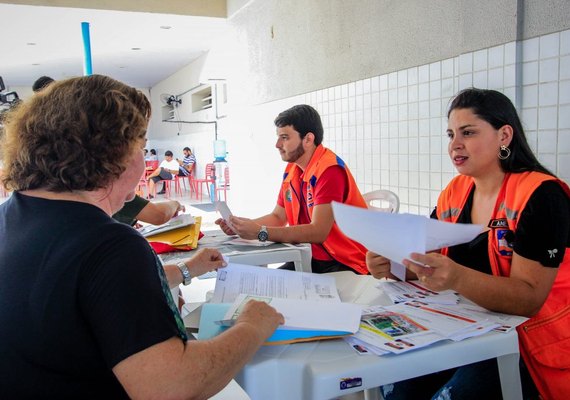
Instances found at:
x=543 y=225
x=80 y=292
x=128 y=214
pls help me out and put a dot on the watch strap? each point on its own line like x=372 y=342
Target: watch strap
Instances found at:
x=186 y=277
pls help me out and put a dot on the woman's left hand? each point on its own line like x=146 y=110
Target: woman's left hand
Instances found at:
x=205 y=260
x=434 y=270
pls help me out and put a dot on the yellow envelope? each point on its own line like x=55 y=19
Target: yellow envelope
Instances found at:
x=185 y=237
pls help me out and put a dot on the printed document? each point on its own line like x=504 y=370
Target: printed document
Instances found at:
x=237 y=278
x=396 y=236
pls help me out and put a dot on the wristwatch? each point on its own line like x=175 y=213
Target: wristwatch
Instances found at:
x=262 y=236
x=186 y=277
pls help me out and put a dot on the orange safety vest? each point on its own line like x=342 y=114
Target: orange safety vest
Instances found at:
x=339 y=246
x=545 y=338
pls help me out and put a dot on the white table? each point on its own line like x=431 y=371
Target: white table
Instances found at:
x=251 y=255
x=317 y=370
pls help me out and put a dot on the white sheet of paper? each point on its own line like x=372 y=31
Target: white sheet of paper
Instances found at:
x=224 y=210
x=303 y=314
x=237 y=278
x=395 y=236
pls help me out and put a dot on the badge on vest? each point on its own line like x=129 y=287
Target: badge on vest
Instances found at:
x=505 y=239
x=498 y=223
x=288 y=196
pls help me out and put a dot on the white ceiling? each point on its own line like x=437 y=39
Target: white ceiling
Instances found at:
x=36 y=41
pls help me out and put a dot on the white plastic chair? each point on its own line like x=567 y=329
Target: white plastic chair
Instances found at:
x=382 y=200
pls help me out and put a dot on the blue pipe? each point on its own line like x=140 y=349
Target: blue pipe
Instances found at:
x=87 y=67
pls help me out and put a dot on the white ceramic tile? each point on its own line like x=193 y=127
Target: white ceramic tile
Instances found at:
x=384 y=114
x=564 y=92
x=392 y=80
x=530 y=96
x=563 y=141
x=435 y=183
x=480 y=60
x=509 y=76
x=548 y=70
x=393 y=110
x=352 y=89
x=465 y=63
x=375 y=97
x=549 y=45
x=564 y=117
x=383 y=82
x=403 y=95
x=547 y=142
x=423 y=109
x=547 y=118
x=530 y=49
x=447 y=89
x=480 y=79
x=413 y=110
x=424 y=178
x=435 y=164
x=564 y=167
x=412 y=93
x=495 y=80
x=366 y=100
x=375 y=84
x=412 y=75
x=511 y=93
x=529 y=118
x=403 y=167
x=402 y=78
x=532 y=139
x=384 y=177
x=413 y=127
x=548 y=94
x=423 y=91
x=447 y=70
x=413 y=143
x=344 y=91
x=424 y=144
x=496 y=57
x=548 y=160
x=384 y=98
x=366 y=86
x=435 y=108
x=394 y=147
x=435 y=71
x=565 y=42
x=435 y=142
x=565 y=67
x=435 y=89
x=530 y=73
x=393 y=96
x=403 y=111
x=510 y=53
x=465 y=81
x=423 y=74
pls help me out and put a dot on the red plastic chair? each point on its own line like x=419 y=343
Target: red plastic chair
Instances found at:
x=225 y=186
x=209 y=178
x=142 y=184
x=177 y=188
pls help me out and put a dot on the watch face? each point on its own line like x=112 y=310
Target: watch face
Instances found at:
x=262 y=236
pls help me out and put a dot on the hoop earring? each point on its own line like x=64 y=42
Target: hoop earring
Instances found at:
x=504 y=152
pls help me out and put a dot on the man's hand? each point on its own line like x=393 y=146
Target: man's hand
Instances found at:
x=378 y=265
x=224 y=227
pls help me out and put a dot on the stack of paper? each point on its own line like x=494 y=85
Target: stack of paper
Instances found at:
x=309 y=302
x=401 y=292
x=407 y=326
x=180 y=233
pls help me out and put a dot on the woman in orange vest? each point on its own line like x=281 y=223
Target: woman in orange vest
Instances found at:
x=518 y=265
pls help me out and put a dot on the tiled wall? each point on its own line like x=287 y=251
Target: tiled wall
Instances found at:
x=390 y=129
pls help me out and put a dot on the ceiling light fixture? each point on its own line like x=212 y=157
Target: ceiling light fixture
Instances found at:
x=135 y=48
x=165 y=27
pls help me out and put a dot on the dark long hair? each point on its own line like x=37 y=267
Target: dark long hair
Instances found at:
x=496 y=108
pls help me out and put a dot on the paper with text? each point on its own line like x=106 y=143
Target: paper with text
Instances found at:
x=236 y=279
x=396 y=236
x=224 y=210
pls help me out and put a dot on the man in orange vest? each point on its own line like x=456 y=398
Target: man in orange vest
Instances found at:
x=314 y=177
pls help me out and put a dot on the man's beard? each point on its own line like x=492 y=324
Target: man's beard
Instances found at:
x=295 y=155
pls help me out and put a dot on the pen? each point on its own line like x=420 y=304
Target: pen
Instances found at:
x=225 y=322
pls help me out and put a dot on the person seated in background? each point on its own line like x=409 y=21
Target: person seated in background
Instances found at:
x=41 y=82
x=88 y=312
x=140 y=209
x=314 y=177
x=146 y=155
x=519 y=264
x=186 y=165
x=165 y=171
x=152 y=156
